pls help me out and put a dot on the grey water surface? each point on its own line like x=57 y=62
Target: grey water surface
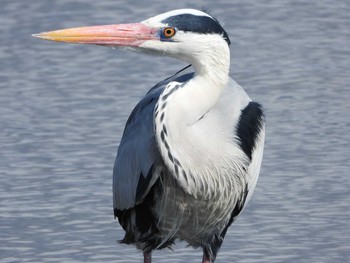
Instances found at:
x=63 y=109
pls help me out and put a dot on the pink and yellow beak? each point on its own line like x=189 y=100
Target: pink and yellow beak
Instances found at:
x=112 y=35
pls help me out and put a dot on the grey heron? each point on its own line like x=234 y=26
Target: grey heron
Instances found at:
x=191 y=151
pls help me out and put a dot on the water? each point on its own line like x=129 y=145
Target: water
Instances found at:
x=63 y=108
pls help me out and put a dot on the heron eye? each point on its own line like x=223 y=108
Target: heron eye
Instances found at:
x=169 y=32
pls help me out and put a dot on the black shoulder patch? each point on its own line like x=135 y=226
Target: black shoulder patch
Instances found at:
x=197 y=24
x=249 y=127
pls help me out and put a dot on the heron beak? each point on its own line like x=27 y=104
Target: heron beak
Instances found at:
x=111 y=35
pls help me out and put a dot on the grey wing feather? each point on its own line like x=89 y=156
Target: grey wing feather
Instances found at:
x=138 y=156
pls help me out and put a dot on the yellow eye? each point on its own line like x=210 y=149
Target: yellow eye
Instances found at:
x=169 y=32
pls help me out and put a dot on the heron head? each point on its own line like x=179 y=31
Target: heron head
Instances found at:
x=178 y=33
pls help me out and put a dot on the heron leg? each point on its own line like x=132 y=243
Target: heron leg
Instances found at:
x=206 y=258
x=147 y=257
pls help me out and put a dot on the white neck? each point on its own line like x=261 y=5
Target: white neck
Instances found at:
x=180 y=107
x=211 y=65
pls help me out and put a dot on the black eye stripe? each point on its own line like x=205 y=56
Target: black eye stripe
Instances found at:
x=197 y=24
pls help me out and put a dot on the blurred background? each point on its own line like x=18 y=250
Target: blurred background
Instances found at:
x=63 y=109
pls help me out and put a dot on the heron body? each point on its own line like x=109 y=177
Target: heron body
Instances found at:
x=191 y=150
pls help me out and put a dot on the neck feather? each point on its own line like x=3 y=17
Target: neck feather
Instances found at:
x=200 y=94
x=180 y=106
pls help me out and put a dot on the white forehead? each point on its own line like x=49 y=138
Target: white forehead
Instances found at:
x=156 y=20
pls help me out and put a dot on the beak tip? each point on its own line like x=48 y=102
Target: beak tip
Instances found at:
x=42 y=36
x=39 y=35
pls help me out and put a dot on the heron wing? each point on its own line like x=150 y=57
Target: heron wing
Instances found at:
x=137 y=158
